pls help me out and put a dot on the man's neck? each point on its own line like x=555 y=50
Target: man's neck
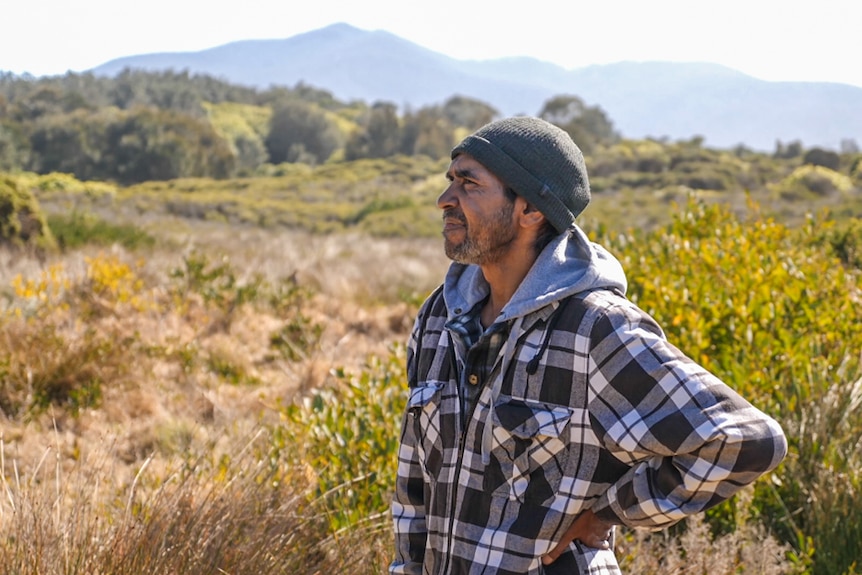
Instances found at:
x=503 y=278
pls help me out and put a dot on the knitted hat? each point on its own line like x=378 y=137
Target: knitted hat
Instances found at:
x=538 y=160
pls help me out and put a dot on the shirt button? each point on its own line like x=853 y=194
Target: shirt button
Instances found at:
x=473 y=379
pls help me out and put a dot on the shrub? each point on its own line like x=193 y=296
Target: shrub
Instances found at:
x=812 y=181
x=705 y=175
x=844 y=240
x=217 y=284
x=54 y=185
x=349 y=436
x=22 y=223
x=772 y=312
x=692 y=548
x=55 y=353
x=78 y=229
x=821 y=157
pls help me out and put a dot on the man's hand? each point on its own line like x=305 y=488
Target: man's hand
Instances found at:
x=588 y=529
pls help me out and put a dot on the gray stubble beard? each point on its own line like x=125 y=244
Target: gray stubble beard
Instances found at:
x=490 y=245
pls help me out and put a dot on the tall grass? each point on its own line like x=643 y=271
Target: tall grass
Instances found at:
x=239 y=514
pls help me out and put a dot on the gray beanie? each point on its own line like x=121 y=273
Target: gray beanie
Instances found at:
x=538 y=160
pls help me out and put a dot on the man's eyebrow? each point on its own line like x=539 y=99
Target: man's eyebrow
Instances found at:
x=465 y=173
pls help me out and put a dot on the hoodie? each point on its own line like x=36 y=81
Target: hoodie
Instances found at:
x=587 y=406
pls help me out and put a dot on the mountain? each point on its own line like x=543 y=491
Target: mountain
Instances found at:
x=643 y=99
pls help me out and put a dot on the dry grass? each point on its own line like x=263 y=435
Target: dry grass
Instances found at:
x=244 y=517
x=361 y=293
x=694 y=550
x=351 y=268
x=153 y=477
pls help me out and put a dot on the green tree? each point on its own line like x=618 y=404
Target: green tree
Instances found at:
x=244 y=128
x=301 y=132
x=147 y=144
x=588 y=126
x=466 y=112
x=14 y=149
x=322 y=98
x=821 y=157
x=848 y=145
x=427 y=132
x=69 y=143
x=42 y=102
x=379 y=135
x=788 y=151
x=178 y=91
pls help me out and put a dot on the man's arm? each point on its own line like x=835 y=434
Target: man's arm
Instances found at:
x=408 y=506
x=408 y=503
x=691 y=441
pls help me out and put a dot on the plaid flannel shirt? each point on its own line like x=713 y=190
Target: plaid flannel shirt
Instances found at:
x=594 y=409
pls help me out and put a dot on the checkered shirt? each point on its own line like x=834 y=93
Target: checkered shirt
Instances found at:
x=595 y=410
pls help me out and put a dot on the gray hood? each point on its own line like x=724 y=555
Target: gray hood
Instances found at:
x=570 y=264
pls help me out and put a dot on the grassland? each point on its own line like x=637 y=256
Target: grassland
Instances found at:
x=208 y=377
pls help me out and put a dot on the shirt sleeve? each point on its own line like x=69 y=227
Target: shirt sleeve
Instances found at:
x=408 y=507
x=408 y=503
x=690 y=440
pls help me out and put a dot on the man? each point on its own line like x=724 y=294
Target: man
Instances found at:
x=545 y=408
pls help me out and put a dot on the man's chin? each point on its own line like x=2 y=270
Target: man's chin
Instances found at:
x=457 y=254
x=451 y=250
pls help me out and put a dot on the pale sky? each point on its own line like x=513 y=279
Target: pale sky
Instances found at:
x=770 y=39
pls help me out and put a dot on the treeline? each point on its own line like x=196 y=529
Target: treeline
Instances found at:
x=142 y=126
x=155 y=126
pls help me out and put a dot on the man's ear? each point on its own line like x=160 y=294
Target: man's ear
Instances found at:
x=531 y=216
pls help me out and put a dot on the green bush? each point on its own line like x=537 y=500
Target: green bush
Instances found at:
x=299 y=335
x=774 y=313
x=844 y=240
x=217 y=284
x=77 y=229
x=349 y=437
x=809 y=181
x=22 y=223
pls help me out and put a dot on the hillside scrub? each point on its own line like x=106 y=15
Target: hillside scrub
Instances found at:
x=22 y=222
x=634 y=183
x=255 y=379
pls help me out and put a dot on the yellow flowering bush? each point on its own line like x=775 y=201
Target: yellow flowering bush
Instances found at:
x=43 y=293
x=114 y=282
x=57 y=352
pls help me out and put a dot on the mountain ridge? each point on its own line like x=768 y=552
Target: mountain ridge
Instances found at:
x=643 y=99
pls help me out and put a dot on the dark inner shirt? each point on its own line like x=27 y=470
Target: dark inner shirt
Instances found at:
x=483 y=347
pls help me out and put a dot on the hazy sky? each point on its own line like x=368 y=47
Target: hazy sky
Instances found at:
x=774 y=40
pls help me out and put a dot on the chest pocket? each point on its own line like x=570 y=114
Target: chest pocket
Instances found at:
x=424 y=407
x=529 y=451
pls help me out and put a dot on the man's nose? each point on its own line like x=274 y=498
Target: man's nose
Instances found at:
x=447 y=198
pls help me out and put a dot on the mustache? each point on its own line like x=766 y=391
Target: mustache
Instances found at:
x=454 y=214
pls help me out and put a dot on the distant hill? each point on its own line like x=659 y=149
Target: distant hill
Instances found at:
x=648 y=99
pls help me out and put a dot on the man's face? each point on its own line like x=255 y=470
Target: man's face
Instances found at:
x=478 y=222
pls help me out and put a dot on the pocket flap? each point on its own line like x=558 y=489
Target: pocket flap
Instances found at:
x=528 y=420
x=421 y=396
